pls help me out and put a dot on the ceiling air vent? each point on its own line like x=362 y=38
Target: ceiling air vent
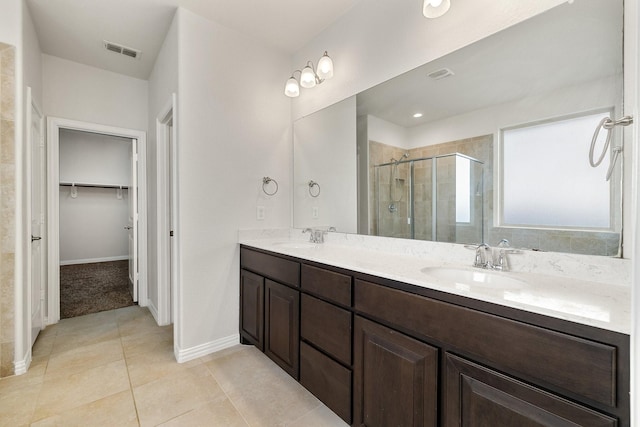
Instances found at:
x=440 y=74
x=117 y=48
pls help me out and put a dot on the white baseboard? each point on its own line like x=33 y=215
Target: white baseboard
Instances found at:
x=20 y=367
x=206 y=348
x=154 y=311
x=92 y=260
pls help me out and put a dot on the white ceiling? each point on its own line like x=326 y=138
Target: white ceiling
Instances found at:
x=568 y=45
x=75 y=29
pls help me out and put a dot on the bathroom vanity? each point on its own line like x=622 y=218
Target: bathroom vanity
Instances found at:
x=381 y=351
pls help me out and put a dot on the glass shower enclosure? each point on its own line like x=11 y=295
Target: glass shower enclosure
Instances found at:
x=436 y=198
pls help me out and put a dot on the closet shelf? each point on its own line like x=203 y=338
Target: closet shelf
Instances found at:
x=86 y=184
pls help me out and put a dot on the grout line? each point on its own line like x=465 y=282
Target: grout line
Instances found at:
x=227 y=396
x=126 y=364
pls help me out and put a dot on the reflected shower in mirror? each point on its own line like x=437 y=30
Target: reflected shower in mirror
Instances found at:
x=558 y=67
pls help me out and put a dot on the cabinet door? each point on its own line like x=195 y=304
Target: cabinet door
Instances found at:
x=282 y=326
x=477 y=396
x=252 y=308
x=396 y=378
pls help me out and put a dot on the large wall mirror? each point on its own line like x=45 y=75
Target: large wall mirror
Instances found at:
x=489 y=142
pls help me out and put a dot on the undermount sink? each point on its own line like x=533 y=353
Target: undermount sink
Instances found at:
x=474 y=278
x=295 y=245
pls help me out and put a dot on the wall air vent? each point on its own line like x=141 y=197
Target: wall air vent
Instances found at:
x=440 y=74
x=123 y=50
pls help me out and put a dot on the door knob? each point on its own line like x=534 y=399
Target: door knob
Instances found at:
x=34 y=238
x=127 y=227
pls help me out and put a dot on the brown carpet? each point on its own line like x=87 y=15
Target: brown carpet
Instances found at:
x=90 y=288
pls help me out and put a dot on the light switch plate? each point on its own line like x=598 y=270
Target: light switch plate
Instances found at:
x=260 y=213
x=314 y=212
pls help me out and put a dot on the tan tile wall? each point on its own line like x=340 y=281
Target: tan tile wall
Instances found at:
x=7 y=208
x=481 y=148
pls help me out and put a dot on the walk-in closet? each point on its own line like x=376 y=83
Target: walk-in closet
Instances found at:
x=94 y=222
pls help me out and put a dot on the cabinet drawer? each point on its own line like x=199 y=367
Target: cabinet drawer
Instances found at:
x=327 y=327
x=333 y=286
x=327 y=380
x=474 y=393
x=567 y=364
x=279 y=269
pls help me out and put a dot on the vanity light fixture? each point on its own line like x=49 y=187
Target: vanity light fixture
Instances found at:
x=309 y=76
x=435 y=8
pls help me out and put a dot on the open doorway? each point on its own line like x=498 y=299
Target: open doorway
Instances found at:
x=97 y=211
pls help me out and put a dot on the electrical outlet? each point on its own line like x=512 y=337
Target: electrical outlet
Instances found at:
x=314 y=212
x=260 y=213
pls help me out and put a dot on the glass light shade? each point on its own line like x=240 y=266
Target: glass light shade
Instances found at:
x=325 y=67
x=307 y=77
x=435 y=8
x=291 y=88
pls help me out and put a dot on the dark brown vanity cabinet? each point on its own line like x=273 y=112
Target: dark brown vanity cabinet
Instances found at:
x=270 y=307
x=396 y=378
x=383 y=353
x=478 y=396
x=326 y=334
x=252 y=308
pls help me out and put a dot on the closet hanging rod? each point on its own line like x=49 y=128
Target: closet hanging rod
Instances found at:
x=84 y=184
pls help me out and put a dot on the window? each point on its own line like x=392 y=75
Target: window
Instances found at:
x=546 y=177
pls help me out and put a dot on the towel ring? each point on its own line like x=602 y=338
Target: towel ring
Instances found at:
x=313 y=184
x=266 y=181
x=607 y=124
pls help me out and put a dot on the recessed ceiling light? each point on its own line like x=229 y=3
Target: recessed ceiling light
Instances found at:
x=417 y=115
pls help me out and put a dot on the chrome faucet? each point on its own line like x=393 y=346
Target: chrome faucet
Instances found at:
x=485 y=256
x=315 y=236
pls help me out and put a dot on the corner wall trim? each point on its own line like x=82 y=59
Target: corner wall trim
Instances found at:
x=206 y=348
x=20 y=367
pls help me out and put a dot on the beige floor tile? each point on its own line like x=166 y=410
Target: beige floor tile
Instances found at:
x=171 y=396
x=319 y=417
x=85 y=357
x=80 y=323
x=139 y=325
x=146 y=367
x=115 y=410
x=129 y=313
x=158 y=342
x=43 y=345
x=17 y=404
x=213 y=414
x=33 y=377
x=91 y=335
x=64 y=393
x=263 y=393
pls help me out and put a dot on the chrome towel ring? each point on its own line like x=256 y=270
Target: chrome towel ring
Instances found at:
x=312 y=185
x=607 y=124
x=265 y=182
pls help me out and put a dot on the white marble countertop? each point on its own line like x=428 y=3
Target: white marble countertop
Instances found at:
x=594 y=303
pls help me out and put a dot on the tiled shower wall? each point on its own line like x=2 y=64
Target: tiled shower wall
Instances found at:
x=7 y=207
x=481 y=148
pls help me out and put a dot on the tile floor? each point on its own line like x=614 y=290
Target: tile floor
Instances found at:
x=117 y=368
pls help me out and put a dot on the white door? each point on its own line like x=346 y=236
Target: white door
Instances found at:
x=37 y=223
x=132 y=225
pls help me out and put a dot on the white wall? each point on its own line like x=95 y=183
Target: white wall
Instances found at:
x=10 y=22
x=79 y=92
x=374 y=42
x=233 y=129
x=92 y=224
x=380 y=130
x=324 y=151
x=163 y=81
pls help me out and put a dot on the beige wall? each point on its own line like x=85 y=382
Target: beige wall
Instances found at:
x=7 y=207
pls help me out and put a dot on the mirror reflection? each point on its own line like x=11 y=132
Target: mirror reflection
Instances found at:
x=475 y=146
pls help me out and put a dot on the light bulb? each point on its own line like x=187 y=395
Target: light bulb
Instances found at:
x=291 y=88
x=325 y=67
x=307 y=77
x=435 y=8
